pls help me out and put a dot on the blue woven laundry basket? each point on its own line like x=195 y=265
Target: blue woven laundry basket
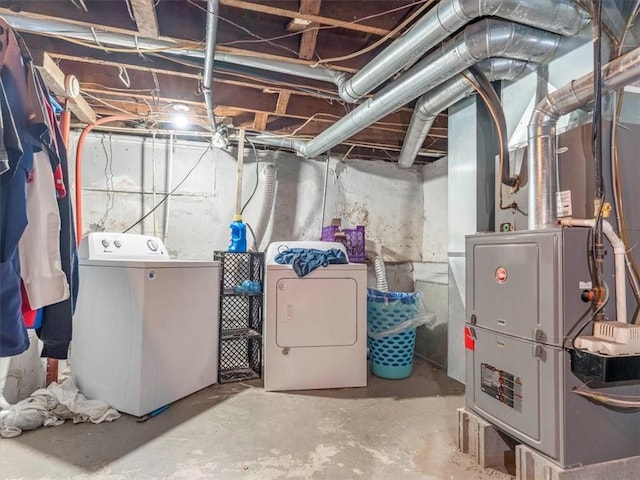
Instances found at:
x=392 y=336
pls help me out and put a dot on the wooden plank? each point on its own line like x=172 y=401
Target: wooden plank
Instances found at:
x=54 y=79
x=244 y=82
x=283 y=102
x=144 y=12
x=281 y=12
x=309 y=37
x=260 y=121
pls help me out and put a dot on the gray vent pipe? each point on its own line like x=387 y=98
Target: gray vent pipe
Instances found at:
x=479 y=41
x=61 y=28
x=210 y=49
x=449 y=16
x=429 y=106
x=541 y=156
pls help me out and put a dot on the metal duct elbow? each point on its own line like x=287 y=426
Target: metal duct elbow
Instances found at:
x=299 y=146
x=494 y=38
x=487 y=38
x=541 y=149
x=432 y=103
x=558 y=16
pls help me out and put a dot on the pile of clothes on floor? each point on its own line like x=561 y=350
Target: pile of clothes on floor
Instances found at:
x=51 y=407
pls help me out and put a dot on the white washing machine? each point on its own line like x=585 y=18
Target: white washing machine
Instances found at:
x=145 y=330
x=315 y=332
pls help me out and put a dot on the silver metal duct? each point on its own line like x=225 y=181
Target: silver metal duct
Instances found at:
x=56 y=27
x=484 y=39
x=449 y=16
x=541 y=156
x=210 y=50
x=429 y=106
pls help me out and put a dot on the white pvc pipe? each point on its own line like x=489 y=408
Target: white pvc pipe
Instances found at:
x=169 y=181
x=619 y=253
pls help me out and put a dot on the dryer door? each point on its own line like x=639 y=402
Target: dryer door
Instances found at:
x=316 y=312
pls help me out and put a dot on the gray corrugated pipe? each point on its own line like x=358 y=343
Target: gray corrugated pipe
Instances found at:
x=270 y=176
x=429 y=106
x=484 y=39
x=210 y=50
x=449 y=16
x=51 y=26
x=542 y=168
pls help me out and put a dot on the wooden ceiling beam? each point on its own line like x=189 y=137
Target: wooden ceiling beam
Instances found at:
x=281 y=12
x=309 y=36
x=260 y=121
x=54 y=78
x=144 y=12
x=283 y=102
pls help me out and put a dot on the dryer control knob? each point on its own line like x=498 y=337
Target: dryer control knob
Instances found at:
x=152 y=244
x=117 y=243
x=105 y=243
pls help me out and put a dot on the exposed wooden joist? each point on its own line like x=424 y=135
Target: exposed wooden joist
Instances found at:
x=309 y=37
x=281 y=12
x=178 y=42
x=283 y=102
x=221 y=77
x=144 y=12
x=54 y=78
x=260 y=121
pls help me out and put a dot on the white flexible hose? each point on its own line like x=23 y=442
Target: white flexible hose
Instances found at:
x=381 y=274
x=270 y=176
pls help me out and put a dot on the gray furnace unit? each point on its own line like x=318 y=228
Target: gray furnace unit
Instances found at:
x=523 y=301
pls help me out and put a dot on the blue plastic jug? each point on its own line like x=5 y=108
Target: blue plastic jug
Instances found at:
x=238 y=239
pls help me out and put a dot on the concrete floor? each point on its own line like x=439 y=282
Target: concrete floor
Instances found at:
x=403 y=429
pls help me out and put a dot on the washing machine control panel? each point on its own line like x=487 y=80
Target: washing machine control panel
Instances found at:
x=121 y=246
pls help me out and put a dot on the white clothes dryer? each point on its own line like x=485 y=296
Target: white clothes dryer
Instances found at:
x=315 y=332
x=145 y=330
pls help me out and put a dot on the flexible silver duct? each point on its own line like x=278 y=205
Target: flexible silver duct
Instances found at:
x=484 y=39
x=55 y=27
x=270 y=176
x=429 y=106
x=381 y=274
x=210 y=49
x=541 y=156
x=449 y=16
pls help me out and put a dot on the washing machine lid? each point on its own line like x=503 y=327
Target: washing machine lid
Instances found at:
x=121 y=246
x=277 y=247
x=146 y=264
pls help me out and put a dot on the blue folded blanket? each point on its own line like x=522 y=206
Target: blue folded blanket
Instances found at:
x=306 y=260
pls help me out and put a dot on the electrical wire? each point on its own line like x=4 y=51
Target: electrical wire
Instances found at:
x=244 y=29
x=328 y=27
x=255 y=188
x=108 y=175
x=166 y=197
x=382 y=40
